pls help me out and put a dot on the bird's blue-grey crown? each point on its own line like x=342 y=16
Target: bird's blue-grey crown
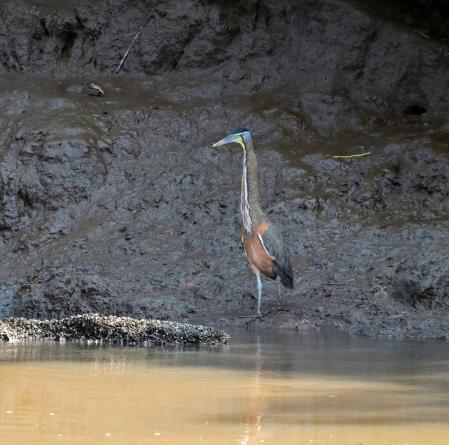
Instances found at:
x=239 y=135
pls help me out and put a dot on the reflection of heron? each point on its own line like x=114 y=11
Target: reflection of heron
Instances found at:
x=262 y=241
x=254 y=412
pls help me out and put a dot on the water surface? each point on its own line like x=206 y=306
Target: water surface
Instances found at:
x=265 y=387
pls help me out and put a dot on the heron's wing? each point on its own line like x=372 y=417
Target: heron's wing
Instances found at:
x=274 y=245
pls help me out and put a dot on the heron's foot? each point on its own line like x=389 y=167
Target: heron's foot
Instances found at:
x=279 y=307
x=252 y=318
x=261 y=315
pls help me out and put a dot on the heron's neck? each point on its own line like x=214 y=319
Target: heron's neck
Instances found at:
x=249 y=197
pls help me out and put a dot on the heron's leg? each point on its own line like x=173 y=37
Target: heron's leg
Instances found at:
x=274 y=309
x=259 y=294
x=279 y=290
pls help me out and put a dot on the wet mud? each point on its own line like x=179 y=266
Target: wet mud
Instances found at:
x=119 y=205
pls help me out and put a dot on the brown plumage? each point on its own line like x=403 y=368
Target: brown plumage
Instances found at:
x=258 y=258
x=261 y=259
x=263 y=243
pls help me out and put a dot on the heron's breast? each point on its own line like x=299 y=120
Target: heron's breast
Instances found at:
x=257 y=256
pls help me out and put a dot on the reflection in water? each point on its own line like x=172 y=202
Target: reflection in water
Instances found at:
x=266 y=387
x=253 y=411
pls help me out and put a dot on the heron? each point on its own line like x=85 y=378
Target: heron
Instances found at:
x=264 y=246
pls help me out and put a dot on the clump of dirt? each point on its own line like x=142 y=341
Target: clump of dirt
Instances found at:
x=118 y=204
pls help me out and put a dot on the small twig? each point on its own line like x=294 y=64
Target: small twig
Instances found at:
x=353 y=189
x=424 y=34
x=132 y=42
x=359 y=155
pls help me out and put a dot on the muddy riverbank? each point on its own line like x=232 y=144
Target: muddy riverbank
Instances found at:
x=119 y=204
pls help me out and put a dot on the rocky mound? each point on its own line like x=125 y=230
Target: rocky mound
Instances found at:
x=110 y=330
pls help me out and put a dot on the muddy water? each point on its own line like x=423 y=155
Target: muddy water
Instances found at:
x=266 y=387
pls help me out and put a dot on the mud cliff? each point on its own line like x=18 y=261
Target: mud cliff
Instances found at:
x=119 y=204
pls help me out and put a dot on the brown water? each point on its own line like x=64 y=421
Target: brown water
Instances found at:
x=266 y=387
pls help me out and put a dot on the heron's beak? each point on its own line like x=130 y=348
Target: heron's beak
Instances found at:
x=228 y=140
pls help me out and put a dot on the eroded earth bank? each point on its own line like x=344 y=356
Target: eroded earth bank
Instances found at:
x=119 y=204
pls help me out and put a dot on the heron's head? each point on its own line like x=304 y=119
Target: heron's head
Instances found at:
x=239 y=135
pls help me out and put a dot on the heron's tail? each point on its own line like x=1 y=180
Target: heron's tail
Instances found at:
x=286 y=275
